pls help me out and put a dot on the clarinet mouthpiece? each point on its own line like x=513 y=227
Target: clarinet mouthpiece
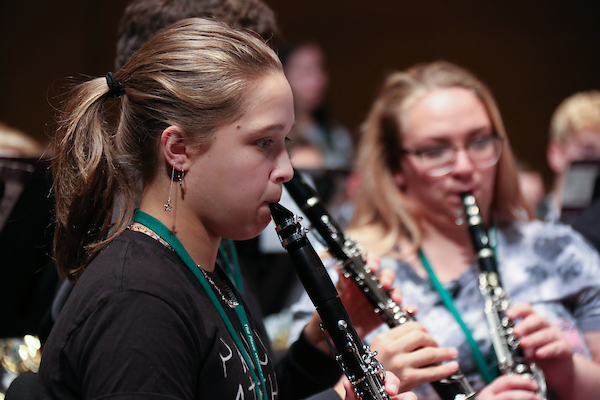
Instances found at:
x=279 y=213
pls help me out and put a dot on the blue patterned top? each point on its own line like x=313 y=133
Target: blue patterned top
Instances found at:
x=547 y=265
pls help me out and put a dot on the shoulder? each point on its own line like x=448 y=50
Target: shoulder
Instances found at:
x=134 y=266
x=554 y=248
x=134 y=261
x=546 y=236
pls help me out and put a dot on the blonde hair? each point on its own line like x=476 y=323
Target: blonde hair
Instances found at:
x=194 y=74
x=382 y=214
x=577 y=112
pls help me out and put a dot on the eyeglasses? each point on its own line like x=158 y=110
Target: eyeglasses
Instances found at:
x=440 y=160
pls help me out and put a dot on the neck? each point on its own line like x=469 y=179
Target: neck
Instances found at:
x=448 y=237
x=448 y=249
x=199 y=244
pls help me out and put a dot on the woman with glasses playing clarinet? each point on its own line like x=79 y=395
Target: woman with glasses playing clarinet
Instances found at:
x=433 y=134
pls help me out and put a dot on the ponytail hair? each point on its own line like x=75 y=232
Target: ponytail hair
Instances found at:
x=88 y=179
x=194 y=74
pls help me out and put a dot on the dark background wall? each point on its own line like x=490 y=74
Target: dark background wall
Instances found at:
x=531 y=53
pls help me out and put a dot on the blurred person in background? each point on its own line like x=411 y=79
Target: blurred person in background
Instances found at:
x=532 y=187
x=15 y=143
x=28 y=277
x=574 y=136
x=143 y=18
x=305 y=68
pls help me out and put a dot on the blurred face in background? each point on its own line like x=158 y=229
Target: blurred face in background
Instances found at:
x=447 y=121
x=580 y=146
x=306 y=72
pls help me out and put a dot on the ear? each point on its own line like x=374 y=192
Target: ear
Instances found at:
x=555 y=154
x=175 y=148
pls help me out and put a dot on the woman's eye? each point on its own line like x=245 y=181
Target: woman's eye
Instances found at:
x=434 y=152
x=263 y=144
x=480 y=143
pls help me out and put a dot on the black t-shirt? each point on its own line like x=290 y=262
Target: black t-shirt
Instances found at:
x=138 y=324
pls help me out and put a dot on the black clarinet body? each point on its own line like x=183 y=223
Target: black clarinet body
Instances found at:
x=357 y=361
x=351 y=259
x=497 y=300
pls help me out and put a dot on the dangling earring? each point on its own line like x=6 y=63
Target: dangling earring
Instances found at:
x=181 y=181
x=168 y=205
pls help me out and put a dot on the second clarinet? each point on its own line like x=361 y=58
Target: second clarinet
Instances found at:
x=497 y=300
x=350 y=256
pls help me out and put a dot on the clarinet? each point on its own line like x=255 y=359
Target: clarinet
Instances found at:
x=511 y=359
x=351 y=259
x=356 y=360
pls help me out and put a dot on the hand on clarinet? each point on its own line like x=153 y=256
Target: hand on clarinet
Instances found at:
x=510 y=387
x=544 y=344
x=408 y=350
x=411 y=353
x=359 y=309
x=392 y=388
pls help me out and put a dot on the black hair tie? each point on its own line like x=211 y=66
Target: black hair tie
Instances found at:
x=115 y=89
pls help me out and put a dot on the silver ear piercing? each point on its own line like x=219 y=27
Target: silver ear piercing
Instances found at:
x=168 y=205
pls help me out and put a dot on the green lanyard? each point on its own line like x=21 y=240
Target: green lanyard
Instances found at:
x=231 y=266
x=161 y=230
x=488 y=372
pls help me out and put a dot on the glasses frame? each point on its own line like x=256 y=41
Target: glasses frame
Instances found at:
x=496 y=139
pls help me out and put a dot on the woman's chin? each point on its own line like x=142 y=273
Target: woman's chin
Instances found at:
x=253 y=231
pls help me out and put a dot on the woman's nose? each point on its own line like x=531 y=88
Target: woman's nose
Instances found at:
x=283 y=170
x=463 y=163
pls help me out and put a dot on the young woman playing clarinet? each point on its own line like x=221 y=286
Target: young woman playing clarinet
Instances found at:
x=182 y=146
